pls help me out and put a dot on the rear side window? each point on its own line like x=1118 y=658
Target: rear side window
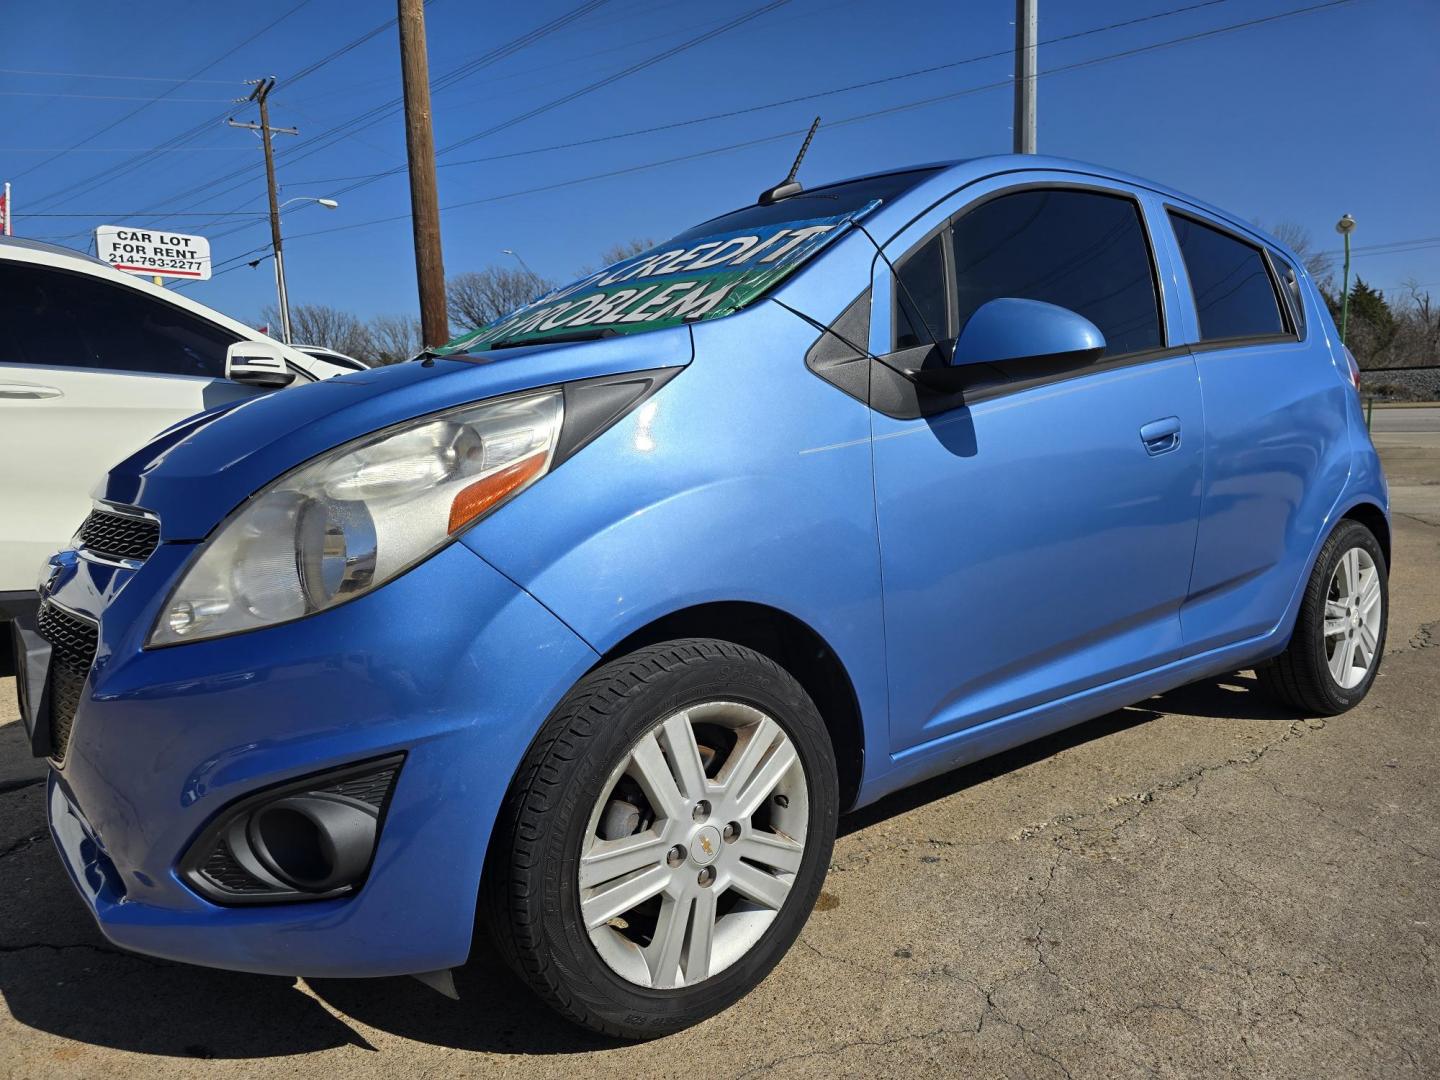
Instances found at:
x=1290 y=280
x=1082 y=250
x=1234 y=296
x=59 y=318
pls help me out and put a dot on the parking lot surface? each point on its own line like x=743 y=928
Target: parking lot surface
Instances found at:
x=1200 y=884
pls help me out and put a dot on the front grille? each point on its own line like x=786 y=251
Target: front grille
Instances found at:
x=72 y=651
x=119 y=536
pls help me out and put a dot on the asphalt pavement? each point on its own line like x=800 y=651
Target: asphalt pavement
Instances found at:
x=1200 y=884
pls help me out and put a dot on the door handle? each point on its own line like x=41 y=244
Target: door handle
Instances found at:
x=1161 y=436
x=28 y=391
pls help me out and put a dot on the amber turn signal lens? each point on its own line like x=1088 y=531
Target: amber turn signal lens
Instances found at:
x=480 y=496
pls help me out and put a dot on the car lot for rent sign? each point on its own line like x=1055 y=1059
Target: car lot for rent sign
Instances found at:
x=154 y=251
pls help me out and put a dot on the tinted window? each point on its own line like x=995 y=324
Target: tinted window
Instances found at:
x=1078 y=249
x=1291 y=280
x=66 y=319
x=920 y=297
x=1234 y=297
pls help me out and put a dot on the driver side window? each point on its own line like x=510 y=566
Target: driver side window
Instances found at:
x=1082 y=250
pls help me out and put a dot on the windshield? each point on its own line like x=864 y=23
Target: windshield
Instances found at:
x=707 y=272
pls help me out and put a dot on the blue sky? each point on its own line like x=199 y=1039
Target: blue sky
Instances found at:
x=1299 y=119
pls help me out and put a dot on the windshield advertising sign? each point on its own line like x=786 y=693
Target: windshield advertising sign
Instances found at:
x=706 y=278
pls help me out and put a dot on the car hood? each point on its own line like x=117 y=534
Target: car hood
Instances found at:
x=195 y=473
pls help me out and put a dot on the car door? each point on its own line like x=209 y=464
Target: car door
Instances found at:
x=1277 y=441
x=1037 y=529
x=90 y=370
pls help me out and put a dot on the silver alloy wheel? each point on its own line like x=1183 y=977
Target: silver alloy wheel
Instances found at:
x=1352 y=618
x=693 y=845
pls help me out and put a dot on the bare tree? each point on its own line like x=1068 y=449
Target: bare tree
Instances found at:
x=620 y=252
x=393 y=338
x=1320 y=265
x=478 y=297
x=617 y=253
x=320 y=324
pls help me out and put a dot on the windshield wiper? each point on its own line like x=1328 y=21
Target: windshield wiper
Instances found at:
x=558 y=339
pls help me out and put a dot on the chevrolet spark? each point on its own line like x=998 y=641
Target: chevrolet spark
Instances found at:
x=582 y=631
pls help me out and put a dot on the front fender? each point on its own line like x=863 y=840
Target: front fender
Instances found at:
x=745 y=478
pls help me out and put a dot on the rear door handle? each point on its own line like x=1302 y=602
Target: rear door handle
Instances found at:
x=28 y=391
x=1161 y=436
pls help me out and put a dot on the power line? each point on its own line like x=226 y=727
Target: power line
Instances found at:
x=391 y=106
x=589 y=88
x=807 y=97
x=115 y=97
x=364 y=180
x=97 y=75
x=136 y=111
x=860 y=118
x=177 y=141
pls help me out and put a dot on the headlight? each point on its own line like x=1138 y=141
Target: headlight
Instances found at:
x=352 y=519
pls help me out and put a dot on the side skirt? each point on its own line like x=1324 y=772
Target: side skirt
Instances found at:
x=958 y=748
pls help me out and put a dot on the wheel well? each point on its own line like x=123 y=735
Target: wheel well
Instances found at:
x=1373 y=518
x=791 y=644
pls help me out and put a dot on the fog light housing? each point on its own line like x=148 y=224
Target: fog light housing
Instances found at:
x=308 y=839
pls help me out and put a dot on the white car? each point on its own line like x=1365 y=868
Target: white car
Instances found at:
x=322 y=352
x=93 y=364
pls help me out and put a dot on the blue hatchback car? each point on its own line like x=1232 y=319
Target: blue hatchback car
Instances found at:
x=583 y=633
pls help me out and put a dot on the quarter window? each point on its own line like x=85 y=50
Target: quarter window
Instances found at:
x=920 y=316
x=60 y=318
x=1234 y=296
x=1081 y=250
x=1291 y=280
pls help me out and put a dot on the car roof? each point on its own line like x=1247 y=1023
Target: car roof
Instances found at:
x=22 y=244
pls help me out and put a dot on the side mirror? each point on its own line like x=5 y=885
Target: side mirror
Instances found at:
x=257 y=363
x=1011 y=329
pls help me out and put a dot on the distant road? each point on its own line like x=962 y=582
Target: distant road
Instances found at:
x=1423 y=419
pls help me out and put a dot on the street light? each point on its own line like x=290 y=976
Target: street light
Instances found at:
x=281 y=295
x=1345 y=226
x=523 y=265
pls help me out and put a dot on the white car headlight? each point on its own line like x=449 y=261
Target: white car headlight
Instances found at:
x=359 y=515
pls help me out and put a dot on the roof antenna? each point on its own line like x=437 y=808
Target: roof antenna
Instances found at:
x=789 y=186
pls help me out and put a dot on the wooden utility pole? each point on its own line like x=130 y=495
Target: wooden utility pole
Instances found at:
x=261 y=96
x=1027 y=26
x=420 y=148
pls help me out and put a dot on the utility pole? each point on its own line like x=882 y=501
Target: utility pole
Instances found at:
x=420 y=148
x=261 y=96
x=1027 y=27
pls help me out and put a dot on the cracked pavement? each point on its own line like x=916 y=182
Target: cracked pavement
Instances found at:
x=1199 y=884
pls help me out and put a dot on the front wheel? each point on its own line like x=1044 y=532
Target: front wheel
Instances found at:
x=1334 y=653
x=665 y=839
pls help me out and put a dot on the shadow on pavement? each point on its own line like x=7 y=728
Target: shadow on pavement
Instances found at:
x=58 y=975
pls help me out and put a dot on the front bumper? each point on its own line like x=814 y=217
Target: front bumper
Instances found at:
x=451 y=664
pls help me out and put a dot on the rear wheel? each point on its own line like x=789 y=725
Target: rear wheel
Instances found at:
x=665 y=839
x=1334 y=653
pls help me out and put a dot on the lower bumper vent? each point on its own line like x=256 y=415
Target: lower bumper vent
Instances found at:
x=72 y=652
x=310 y=839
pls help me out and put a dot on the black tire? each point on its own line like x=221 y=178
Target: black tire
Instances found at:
x=1300 y=677
x=531 y=897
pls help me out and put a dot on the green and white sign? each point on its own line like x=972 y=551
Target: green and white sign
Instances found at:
x=708 y=278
